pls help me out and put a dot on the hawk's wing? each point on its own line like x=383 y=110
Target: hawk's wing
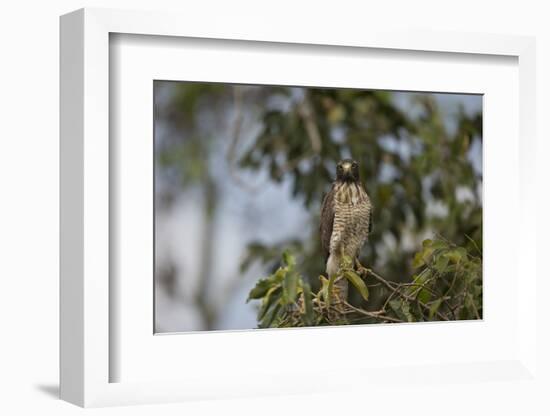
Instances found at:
x=326 y=222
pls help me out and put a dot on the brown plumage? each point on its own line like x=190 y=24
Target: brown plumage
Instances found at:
x=346 y=217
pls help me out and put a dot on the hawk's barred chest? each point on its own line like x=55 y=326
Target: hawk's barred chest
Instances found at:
x=351 y=218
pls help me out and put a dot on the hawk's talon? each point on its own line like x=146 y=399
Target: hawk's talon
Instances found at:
x=364 y=271
x=359 y=266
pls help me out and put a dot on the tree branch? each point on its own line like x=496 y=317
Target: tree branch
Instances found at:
x=366 y=272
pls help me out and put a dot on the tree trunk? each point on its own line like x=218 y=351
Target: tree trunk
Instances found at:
x=207 y=254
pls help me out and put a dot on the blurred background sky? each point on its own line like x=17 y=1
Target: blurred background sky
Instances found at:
x=209 y=208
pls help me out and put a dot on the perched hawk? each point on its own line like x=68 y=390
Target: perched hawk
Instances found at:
x=346 y=218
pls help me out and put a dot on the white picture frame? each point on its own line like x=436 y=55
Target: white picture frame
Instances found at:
x=88 y=304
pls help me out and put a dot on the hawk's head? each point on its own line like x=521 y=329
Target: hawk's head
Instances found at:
x=347 y=170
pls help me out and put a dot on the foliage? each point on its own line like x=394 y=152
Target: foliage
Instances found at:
x=447 y=286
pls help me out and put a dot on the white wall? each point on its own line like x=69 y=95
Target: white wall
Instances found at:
x=29 y=188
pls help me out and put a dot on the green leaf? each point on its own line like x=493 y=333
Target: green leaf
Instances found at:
x=263 y=285
x=470 y=277
x=441 y=263
x=358 y=283
x=270 y=315
x=470 y=304
x=424 y=295
x=439 y=244
x=307 y=317
x=454 y=255
x=426 y=243
x=271 y=297
x=290 y=288
x=259 y=290
x=289 y=260
x=395 y=304
x=423 y=256
x=418 y=260
x=434 y=307
x=279 y=275
x=324 y=288
x=417 y=289
x=402 y=309
x=477 y=289
x=407 y=310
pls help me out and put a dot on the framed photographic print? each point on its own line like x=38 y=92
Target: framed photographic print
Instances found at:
x=237 y=209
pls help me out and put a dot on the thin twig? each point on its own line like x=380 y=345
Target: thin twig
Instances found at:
x=377 y=315
x=403 y=295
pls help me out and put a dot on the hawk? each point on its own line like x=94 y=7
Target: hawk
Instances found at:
x=346 y=220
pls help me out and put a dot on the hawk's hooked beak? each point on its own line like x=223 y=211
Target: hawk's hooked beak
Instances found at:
x=346 y=171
